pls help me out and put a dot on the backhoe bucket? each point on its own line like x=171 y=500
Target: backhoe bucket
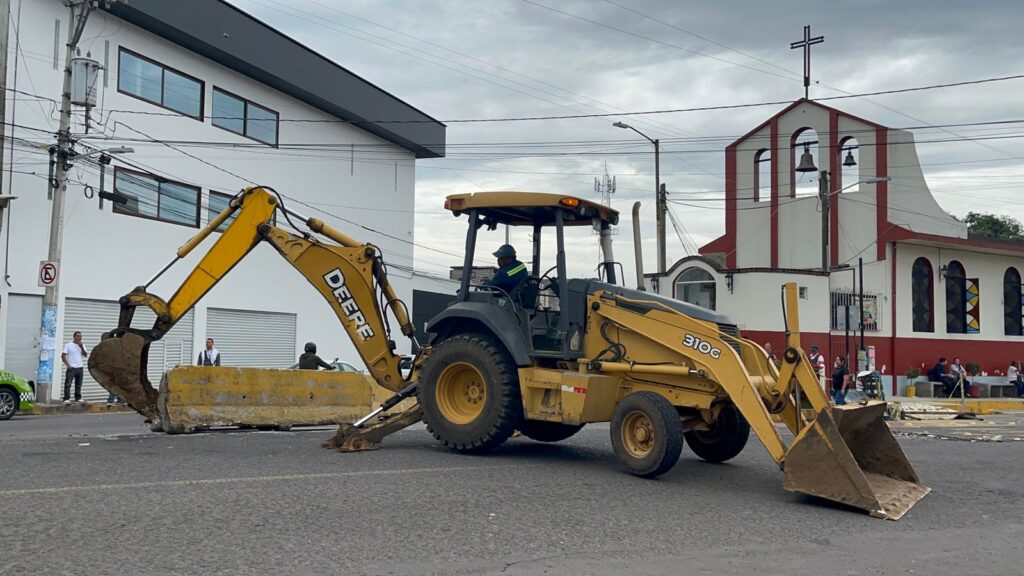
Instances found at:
x=119 y=365
x=847 y=454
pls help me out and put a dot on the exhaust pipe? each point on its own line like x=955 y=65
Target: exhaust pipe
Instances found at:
x=638 y=253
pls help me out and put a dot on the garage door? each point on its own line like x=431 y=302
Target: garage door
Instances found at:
x=22 y=354
x=253 y=339
x=94 y=317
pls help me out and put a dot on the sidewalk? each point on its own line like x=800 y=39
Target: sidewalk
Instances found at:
x=975 y=405
x=91 y=408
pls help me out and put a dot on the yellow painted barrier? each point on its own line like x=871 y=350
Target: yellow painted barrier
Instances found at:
x=203 y=396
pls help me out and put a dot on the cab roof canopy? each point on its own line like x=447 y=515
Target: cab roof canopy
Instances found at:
x=530 y=208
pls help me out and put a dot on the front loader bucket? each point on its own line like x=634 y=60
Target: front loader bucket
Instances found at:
x=119 y=365
x=847 y=454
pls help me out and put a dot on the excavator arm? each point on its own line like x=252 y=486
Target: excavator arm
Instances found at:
x=350 y=275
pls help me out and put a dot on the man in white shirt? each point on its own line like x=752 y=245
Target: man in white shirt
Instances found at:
x=1013 y=377
x=73 y=357
x=210 y=356
x=818 y=363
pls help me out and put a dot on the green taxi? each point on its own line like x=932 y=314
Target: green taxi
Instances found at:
x=15 y=394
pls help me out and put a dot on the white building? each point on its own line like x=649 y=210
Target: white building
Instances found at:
x=237 y=103
x=931 y=289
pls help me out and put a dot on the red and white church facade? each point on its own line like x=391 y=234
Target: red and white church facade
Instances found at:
x=930 y=289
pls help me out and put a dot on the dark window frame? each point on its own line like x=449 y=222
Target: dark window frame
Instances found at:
x=928 y=274
x=1012 y=303
x=227 y=197
x=163 y=69
x=159 y=180
x=245 y=117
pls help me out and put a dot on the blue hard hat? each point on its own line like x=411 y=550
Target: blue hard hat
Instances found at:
x=505 y=251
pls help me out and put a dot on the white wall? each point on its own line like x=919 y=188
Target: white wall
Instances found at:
x=911 y=203
x=987 y=268
x=106 y=254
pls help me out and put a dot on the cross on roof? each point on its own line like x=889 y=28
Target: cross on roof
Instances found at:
x=806 y=44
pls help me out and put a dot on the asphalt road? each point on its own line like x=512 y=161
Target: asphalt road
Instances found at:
x=103 y=496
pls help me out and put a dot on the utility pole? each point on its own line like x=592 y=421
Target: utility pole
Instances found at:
x=824 y=197
x=79 y=14
x=661 y=206
x=5 y=11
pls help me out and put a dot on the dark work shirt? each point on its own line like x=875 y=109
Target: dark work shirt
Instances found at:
x=310 y=361
x=936 y=373
x=838 y=374
x=508 y=276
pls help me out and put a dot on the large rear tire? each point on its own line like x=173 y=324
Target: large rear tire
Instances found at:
x=469 y=390
x=647 y=434
x=725 y=440
x=548 y=431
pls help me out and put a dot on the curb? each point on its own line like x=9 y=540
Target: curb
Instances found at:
x=97 y=408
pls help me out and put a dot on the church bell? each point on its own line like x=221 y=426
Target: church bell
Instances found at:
x=806 y=161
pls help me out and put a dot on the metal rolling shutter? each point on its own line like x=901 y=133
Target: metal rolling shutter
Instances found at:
x=23 y=316
x=94 y=317
x=252 y=339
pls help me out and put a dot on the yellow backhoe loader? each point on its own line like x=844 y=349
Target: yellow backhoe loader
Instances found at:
x=550 y=355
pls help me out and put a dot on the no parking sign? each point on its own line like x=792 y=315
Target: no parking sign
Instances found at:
x=47 y=274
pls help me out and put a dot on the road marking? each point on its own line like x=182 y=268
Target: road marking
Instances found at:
x=243 y=479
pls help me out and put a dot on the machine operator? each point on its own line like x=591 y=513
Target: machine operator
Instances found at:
x=510 y=271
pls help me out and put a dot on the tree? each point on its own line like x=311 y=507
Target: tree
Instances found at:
x=993 y=226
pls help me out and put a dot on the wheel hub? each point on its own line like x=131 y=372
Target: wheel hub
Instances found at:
x=461 y=392
x=638 y=434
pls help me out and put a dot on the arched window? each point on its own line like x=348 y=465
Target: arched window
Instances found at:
x=848 y=171
x=923 y=296
x=804 y=183
x=1011 y=303
x=696 y=286
x=956 y=298
x=762 y=174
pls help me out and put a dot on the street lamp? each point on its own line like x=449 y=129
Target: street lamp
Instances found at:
x=659 y=198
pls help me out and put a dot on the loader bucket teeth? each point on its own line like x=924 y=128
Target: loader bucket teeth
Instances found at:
x=119 y=365
x=848 y=455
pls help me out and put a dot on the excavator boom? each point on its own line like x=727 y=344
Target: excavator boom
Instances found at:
x=348 y=274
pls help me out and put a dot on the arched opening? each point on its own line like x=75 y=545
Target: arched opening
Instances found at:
x=804 y=183
x=1012 y=325
x=923 y=296
x=696 y=286
x=848 y=170
x=956 y=298
x=762 y=174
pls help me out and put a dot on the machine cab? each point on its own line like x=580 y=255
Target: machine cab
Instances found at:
x=536 y=317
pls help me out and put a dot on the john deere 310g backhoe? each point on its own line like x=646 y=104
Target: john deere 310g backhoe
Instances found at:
x=550 y=356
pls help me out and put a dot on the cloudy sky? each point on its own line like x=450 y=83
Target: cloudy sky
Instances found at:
x=462 y=59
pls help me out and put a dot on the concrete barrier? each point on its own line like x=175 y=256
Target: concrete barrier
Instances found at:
x=194 y=397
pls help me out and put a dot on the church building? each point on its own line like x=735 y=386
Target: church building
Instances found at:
x=814 y=194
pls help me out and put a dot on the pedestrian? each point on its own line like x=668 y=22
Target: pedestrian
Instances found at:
x=310 y=361
x=511 y=272
x=73 y=356
x=957 y=371
x=1013 y=376
x=771 y=355
x=210 y=356
x=938 y=374
x=840 y=380
x=817 y=360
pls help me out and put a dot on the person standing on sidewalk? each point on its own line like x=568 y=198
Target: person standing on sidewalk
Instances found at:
x=818 y=362
x=73 y=357
x=210 y=356
x=840 y=380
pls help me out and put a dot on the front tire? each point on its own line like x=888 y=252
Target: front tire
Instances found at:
x=647 y=434
x=469 y=391
x=9 y=403
x=548 y=431
x=726 y=438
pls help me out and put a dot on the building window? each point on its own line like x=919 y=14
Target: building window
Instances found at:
x=848 y=303
x=696 y=286
x=243 y=117
x=155 y=83
x=1012 y=325
x=923 y=296
x=762 y=174
x=154 y=197
x=956 y=298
